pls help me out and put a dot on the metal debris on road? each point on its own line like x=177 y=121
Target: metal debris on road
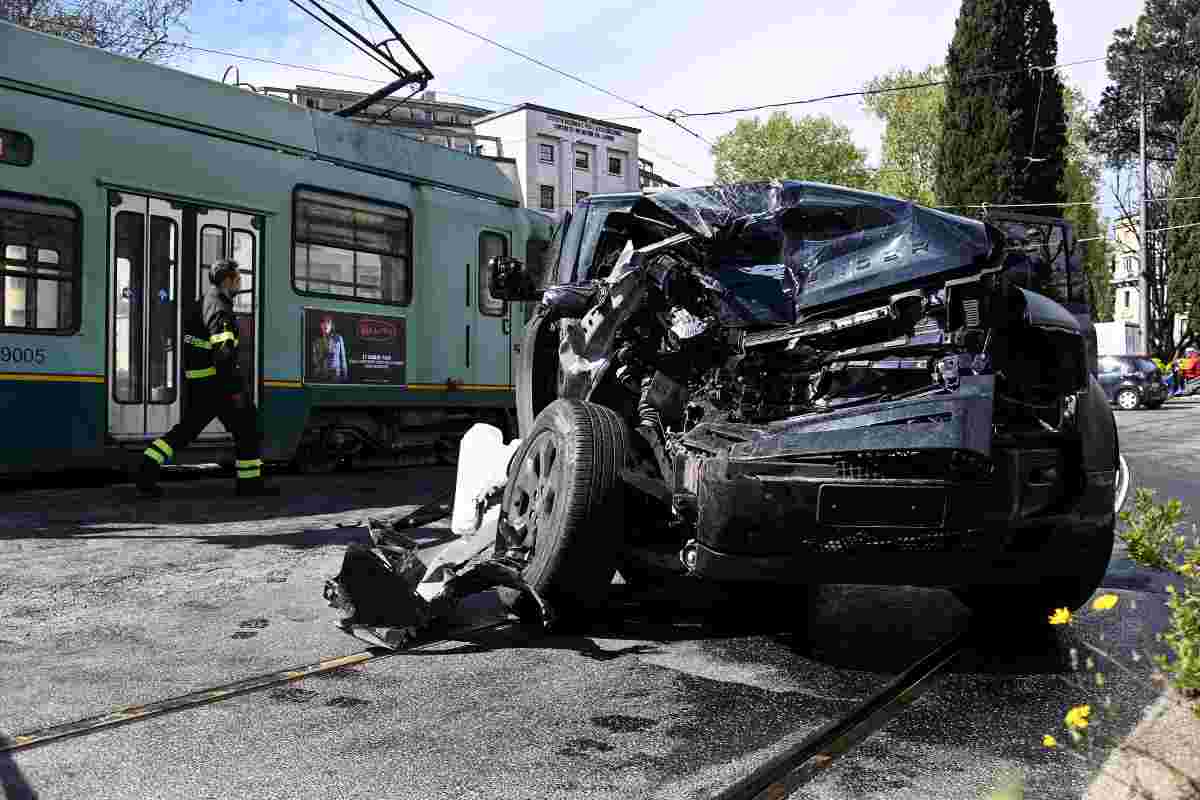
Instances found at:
x=388 y=596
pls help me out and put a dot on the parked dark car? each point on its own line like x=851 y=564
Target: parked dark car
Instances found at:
x=1132 y=381
x=796 y=383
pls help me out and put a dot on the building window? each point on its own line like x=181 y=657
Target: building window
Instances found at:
x=491 y=245
x=580 y=195
x=582 y=161
x=614 y=165
x=547 y=197
x=546 y=153
x=39 y=265
x=351 y=247
x=1131 y=265
x=1127 y=298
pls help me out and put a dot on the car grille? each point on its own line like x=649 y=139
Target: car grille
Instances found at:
x=866 y=542
x=925 y=465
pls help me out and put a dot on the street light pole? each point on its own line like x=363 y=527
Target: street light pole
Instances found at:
x=1143 y=280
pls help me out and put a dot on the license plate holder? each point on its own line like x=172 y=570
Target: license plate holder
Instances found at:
x=882 y=506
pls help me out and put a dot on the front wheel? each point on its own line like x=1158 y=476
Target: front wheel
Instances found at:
x=1033 y=604
x=1128 y=400
x=565 y=503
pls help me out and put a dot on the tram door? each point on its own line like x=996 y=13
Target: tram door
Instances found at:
x=160 y=252
x=231 y=234
x=143 y=355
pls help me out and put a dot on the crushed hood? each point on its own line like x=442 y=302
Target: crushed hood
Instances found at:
x=786 y=249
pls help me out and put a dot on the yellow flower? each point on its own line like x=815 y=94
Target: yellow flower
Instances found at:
x=1187 y=569
x=1077 y=717
x=1049 y=741
x=1061 y=616
x=1104 y=602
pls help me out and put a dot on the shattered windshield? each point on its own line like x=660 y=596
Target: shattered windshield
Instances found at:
x=782 y=249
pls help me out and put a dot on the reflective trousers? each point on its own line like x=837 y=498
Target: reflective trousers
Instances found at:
x=204 y=401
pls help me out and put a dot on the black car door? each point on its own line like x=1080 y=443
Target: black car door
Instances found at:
x=1109 y=375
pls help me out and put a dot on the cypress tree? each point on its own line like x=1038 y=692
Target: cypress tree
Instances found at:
x=992 y=126
x=1183 y=244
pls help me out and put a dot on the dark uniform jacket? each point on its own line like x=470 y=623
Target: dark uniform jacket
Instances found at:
x=211 y=344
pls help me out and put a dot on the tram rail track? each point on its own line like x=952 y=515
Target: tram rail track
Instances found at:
x=126 y=715
x=782 y=775
x=777 y=778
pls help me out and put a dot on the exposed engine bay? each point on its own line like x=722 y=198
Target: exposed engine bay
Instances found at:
x=751 y=315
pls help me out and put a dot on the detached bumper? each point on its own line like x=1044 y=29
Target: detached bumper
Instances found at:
x=1022 y=526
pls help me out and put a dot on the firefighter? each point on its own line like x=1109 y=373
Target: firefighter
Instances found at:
x=214 y=387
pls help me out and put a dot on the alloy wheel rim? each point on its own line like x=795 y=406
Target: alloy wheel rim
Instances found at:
x=1127 y=400
x=536 y=490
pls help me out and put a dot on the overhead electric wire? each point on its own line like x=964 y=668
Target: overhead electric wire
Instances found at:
x=309 y=68
x=1064 y=205
x=669 y=160
x=1152 y=230
x=371 y=54
x=867 y=92
x=544 y=65
x=335 y=73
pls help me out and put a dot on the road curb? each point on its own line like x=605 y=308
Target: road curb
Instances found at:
x=1169 y=733
x=1124 y=480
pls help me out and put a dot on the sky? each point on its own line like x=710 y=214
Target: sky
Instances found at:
x=665 y=56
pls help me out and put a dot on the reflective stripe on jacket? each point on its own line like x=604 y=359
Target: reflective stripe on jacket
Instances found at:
x=210 y=342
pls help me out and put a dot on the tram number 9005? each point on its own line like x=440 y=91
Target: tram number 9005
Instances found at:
x=22 y=355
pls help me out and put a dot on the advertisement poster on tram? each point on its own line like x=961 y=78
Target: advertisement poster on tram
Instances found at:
x=355 y=349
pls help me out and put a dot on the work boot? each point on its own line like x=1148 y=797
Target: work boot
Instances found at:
x=254 y=487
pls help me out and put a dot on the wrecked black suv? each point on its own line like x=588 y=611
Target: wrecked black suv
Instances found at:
x=798 y=383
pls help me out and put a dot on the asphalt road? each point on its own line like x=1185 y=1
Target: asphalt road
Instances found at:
x=105 y=603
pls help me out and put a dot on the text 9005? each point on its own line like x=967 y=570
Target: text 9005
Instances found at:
x=22 y=355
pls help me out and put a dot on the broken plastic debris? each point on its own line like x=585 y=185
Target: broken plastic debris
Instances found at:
x=388 y=597
x=482 y=469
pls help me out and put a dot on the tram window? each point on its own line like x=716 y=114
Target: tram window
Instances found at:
x=39 y=265
x=491 y=245
x=212 y=250
x=161 y=306
x=129 y=243
x=243 y=254
x=351 y=247
x=370 y=276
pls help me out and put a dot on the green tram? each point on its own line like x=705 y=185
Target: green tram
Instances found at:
x=121 y=182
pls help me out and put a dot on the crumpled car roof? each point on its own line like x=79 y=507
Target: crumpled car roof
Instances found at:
x=835 y=242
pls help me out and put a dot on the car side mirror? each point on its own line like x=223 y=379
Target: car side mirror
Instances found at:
x=508 y=279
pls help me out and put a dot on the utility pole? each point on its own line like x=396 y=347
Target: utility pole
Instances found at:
x=1144 y=240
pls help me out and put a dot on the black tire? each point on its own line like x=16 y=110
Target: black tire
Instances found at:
x=567 y=473
x=1154 y=405
x=1033 y=604
x=1127 y=399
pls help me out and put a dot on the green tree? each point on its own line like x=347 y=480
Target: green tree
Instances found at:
x=136 y=28
x=1003 y=135
x=1081 y=183
x=1158 y=58
x=1183 y=244
x=912 y=132
x=811 y=148
x=1165 y=42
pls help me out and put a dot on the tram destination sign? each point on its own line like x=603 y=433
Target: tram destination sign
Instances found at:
x=342 y=347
